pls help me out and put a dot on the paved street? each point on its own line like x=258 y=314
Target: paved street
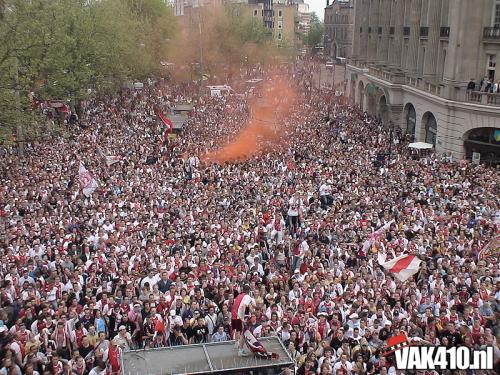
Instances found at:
x=324 y=76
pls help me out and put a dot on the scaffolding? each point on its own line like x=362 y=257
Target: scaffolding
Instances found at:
x=211 y=358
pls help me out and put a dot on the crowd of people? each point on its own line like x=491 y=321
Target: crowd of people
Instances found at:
x=157 y=255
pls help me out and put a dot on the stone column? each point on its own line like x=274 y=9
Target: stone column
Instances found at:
x=385 y=20
x=364 y=9
x=356 y=40
x=434 y=17
x=412 y=59
x=398 y=12
x=373 y=24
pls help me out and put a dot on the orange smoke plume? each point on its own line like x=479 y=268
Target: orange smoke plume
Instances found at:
x=265 y=128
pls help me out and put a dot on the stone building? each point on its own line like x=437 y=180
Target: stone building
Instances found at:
x=412 y=62
x=280 y=17
x=339 y=23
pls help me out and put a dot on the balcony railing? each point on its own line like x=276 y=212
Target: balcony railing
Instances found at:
x=421 y=84
x=445 y=32
x=424 y=31
x=406 y=31
x=484 y=98
x=387 y=75
x=491 y=33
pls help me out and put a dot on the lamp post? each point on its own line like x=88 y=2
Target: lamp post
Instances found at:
x=391 y=130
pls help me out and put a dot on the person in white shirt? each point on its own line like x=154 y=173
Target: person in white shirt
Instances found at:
x=294 y=207
x=276 y=228
x=152 y=278
x=325 y=195
x=241 y=303
x=343 y=364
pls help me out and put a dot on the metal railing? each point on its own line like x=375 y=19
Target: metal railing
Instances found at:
x=491 y=33
x=434 y=88
x=387 y=75
x=421 y=84
x=487 y=98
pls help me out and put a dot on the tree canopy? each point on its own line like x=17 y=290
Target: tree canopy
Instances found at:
x=316 y=31
x=61 y=49
x=66 y=49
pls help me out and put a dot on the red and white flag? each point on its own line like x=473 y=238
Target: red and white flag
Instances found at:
x=88 y=183
x=403 y=267
x=490 y=249
x=376 y=236
x=165 y=121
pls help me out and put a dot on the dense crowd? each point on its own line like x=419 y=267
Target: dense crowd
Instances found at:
x=158 y=253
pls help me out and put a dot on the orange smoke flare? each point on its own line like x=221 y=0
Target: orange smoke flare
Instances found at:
x=264 y=129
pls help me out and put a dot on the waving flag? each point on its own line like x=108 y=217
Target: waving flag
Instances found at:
x=168 y=124
x=403 y=267
x=257 y=348
x=490 y=249
x=88 y=183
x=376 y=236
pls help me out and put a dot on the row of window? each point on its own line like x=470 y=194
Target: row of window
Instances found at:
x=423 y=31
x=256 y=13
x=337 y=18
x=495 y=13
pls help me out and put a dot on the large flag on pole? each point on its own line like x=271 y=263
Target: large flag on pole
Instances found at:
x=403 y=267
x=168 y=124
x=88 y=183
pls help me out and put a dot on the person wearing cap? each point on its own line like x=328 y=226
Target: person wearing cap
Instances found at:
x=180 y=334
x=123 y=338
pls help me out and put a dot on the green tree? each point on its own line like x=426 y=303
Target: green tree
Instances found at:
x=316 y=31
x=62 y=48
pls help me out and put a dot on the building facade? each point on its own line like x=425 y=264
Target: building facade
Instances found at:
x=339 y=25
x=280 y=17
x=413 y=63
x=304 y=17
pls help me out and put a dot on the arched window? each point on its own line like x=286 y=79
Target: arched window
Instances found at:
x=430 y=128
x=411 y=119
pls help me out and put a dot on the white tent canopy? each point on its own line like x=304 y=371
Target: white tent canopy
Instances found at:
x=421 y=146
